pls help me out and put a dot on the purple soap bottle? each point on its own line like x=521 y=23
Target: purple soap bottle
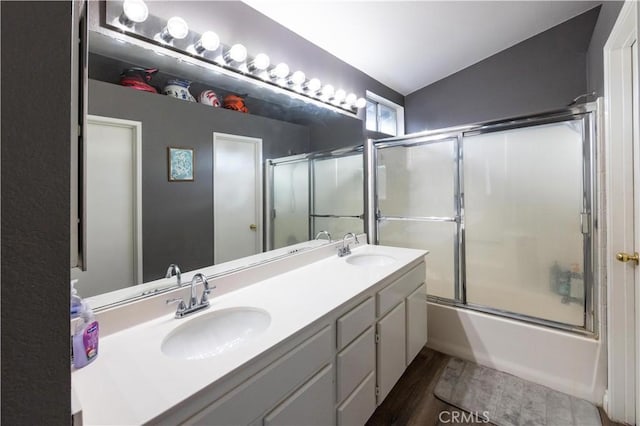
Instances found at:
x=85 y=339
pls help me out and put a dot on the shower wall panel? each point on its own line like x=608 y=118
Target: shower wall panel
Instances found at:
x=338 y=195
x=338 y=186
x=290 y=203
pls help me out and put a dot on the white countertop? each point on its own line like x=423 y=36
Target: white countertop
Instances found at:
x=132 y=381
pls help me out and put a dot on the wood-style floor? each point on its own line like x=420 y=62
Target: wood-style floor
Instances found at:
x=411 y=401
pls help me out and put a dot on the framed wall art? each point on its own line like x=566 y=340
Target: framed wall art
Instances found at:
x=181 y=164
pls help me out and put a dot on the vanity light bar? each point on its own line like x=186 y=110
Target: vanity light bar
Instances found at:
x=234 y=57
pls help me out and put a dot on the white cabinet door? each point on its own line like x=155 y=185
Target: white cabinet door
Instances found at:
x=416 y=322
x=310 y=405
x=391 y=350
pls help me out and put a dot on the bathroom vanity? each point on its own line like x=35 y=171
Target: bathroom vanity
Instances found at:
x=321 y=342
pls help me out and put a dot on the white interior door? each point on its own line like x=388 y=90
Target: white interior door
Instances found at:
x=237 y=197
x=623 y=216
x=113 y=255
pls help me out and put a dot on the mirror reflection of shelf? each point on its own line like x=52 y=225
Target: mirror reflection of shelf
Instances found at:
x=108 y=69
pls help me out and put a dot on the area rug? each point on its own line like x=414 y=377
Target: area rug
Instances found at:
x=492 y=396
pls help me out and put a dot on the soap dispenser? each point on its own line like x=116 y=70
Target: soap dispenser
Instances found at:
x=76 y=301
x=85 y=339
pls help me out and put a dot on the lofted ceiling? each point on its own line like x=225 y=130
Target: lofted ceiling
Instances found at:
x=407 y=45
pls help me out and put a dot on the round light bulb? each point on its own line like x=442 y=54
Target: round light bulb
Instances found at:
x=350 y=99
x=177 y=28
x=210 y=40
x=238 y=53
x=313 y=85
x=361 y=103
x=261 y=62
x=280 y=71
x=339 y=95
x=327 y=90
x=135 y=10
x=297 y=78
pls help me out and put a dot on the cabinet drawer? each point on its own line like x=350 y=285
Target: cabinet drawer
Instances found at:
x=310 y=405
x=262 y=391
x=355 y=362
x=396 y=292
x=360 y=405
x=353 y=323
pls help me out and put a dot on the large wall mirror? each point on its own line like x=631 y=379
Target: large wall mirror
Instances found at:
x=168 y=181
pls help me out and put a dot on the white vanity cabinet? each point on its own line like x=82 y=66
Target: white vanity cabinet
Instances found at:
x=401 y=328
x=340 y=335
x=342 y=372
x=376 y=342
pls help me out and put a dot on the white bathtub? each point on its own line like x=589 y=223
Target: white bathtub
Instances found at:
x=563 y=361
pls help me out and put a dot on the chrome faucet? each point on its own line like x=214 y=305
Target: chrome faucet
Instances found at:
x=326 y=233
x=174 y=270
x=194 y=306
x=345 y=249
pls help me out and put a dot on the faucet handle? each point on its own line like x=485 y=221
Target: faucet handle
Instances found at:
x=205 y=293
x=179 y=301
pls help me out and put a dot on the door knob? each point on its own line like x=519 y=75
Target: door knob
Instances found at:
x=253 y=227
x=625 y=257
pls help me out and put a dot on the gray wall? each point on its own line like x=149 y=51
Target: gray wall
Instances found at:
x=595 y=67
x=542 y=73
x=36 y=60
x=177 y=216
x=339 y=132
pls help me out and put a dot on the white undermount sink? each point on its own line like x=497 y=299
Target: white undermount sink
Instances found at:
x=370 y=259
x=215 y=333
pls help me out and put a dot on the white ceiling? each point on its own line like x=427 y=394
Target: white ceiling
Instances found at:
x=410 y=44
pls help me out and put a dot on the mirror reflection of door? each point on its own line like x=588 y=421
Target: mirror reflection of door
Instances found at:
x=237 y=197
x=113 y=253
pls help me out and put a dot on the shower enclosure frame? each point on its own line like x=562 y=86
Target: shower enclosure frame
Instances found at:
x=588 y=116
x=308 y=157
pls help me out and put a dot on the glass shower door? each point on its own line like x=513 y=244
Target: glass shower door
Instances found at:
x=337 y=195
x=290 y=215
x=416 y=197
x=524 y=205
